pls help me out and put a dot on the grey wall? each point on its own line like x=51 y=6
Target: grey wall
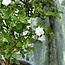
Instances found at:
x=41 y=52
x=40 y=55
x=59 y=28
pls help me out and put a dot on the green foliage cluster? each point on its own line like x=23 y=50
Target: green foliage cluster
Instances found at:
x=18 y=22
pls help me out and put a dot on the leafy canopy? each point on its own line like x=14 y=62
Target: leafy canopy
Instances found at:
x=14 y=19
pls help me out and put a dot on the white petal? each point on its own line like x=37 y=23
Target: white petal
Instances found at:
x=6 y=2
x=25 y=32
x=39 y=31
x=42 y=38
x=17 y=11
x=28 y=26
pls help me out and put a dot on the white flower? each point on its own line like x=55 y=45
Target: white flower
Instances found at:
x=42 y=38
x=39 y=31
x=16 y=0
x=29 y=21
x=28 y=26
x=16 y=15
x=25 y=32
x=6 y=2
x=17 y=11
x=4 y=22
x=29 y=45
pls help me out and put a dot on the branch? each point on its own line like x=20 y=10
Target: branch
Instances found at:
x=2 y=61
x=35 y=41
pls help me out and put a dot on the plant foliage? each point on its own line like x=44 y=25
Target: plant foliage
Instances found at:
x=14 y=19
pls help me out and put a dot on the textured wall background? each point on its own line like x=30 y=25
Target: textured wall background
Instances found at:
x=60 y=33
x=41 y=52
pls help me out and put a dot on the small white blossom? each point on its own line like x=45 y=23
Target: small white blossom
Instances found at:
x=4 y=22
x=39 y=31
x=17 y=11
x=6 y=2
x=17 y=0
x=28 y=26
x=42 y=38
x=30 y=45
x=25 y=32
x=15 y=14
x=29 y=21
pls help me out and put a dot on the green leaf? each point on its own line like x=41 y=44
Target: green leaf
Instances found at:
x=17 y=1
x=8 y=47
x=14 y=55
x=14 y=17
x=52 y=3
x=40 y=42
x=12 y=44
x=2 y=53
x=47 y=4
x=60 y=12
x=49 y=29
x=1 y=23
x=56 y=9
x=43 y=27
x=12 y=3
x=19 y=26
x=22 y=3
x=2 y=45
x=51 y=13
x=52 y=37
x=35 y=26
x=5 y=40
x=12 y=61
x=7 y=55
x=46 y=35
x=6 y=51
x=33 y=48
x=22 y=52
x=0 y=2
x=59 y=17
x=24 y=21
x=51 y=33
x=10 y=28
x=41 y=10
x=6 y=16
x=29 y=49
x=23 y=55
x=17 y=62
x=13 y=24
x=9 y=38
x=26 y=46
x=19 y=44
x=38 y=24
x=29 y=40
x=1 y=35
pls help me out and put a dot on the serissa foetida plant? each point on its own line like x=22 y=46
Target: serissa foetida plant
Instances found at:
x=15 y=29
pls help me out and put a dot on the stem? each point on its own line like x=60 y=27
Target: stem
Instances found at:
x=2 y=61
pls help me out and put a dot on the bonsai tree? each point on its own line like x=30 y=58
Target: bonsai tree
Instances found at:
x=14 y=16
